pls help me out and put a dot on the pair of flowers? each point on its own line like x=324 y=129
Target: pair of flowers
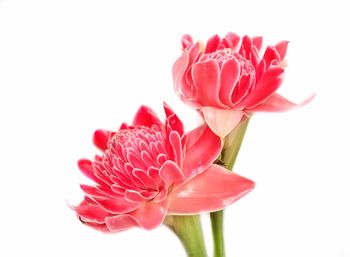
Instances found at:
x=151 y=169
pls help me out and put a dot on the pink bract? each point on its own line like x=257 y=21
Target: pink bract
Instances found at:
x=227 y=79
x=149 y=170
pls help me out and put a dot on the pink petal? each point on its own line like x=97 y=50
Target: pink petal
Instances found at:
x=206 y=76
x=186 y=41
x=270 y=55
x=120 y=223
x=146 y=117
x=231 y=40
x=100 y=227
x=270 y=81
x=116 y=205
x=172 y=120
x=149 y=216
x=85 y=167
x=179 y=69
x=257 y=42
x=91 y=213
x=221 y=121
x=277 y=103
x=230 y=71
x=101 y=138
x=202 y=154
x=212 y=190
x=281 y=48
x=137 y=197
x=212 y=44
x=176 y=148
x=170 y=173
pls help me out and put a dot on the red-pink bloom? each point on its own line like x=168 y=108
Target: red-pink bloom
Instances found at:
x=227 y=79
x=150 y=169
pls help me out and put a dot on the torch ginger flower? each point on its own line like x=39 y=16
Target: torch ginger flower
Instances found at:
x=150 y=170
x=227 y=80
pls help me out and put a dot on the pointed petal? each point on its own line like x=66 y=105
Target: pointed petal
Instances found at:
x=101 y=138
x=206 y=77
x=221 y=121
x=277 y=103
x=146 y=117
x=149 y=216
x=116 y=205
x=281 y=48
x=212 y=190
x=173 y=120
x=85 y=167
x=257 y=42
x=186 y=41
x=91 y=213
x=270 y=81
x=212 y=44
x=202 y=154
x=170 y=173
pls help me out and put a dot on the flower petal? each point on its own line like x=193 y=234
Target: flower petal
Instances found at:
x=212 y=44
x=206 y=76
x=202 y=153
x=170 y=173
x=267 y=85
x=221 y=121
x=91 y=213
x=146 y=117
x=277 y=103
x=173 y=120
x=120 y=223
x=101 y=138
x=230 y=71
x=281 y=48
x=149 y=216
x=212 y=190
x=116 y=205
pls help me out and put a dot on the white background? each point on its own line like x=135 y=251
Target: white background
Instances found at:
x=68 y=67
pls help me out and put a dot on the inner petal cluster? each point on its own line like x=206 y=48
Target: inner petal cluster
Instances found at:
x=132 y=161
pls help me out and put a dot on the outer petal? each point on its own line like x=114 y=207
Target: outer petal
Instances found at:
x=281 y=48
x=277 y=103
x=206 y=76
x=149 y=216
x=212 y=44
x=210 y=191
x=172 y=120
x=221 y=121
x=101 y=138
x=267 y=85
x=230 y=71
x=146 y=117
x=202 y=153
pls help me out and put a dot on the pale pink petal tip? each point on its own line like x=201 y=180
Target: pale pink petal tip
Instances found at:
x=221 y=121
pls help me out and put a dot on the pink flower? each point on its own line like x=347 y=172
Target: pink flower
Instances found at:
x=226 y=79
x=150 y=170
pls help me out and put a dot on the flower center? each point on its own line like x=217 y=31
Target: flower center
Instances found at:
x=222 y=55
x=140 y=147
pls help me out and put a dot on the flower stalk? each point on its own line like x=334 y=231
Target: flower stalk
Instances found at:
x=189 y=231
x=232 y=145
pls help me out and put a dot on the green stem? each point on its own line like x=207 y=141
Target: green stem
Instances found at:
x=189 y=231
x=229 y=153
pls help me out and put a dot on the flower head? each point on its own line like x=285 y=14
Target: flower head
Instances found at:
x=227 y=79
x=149 y=170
